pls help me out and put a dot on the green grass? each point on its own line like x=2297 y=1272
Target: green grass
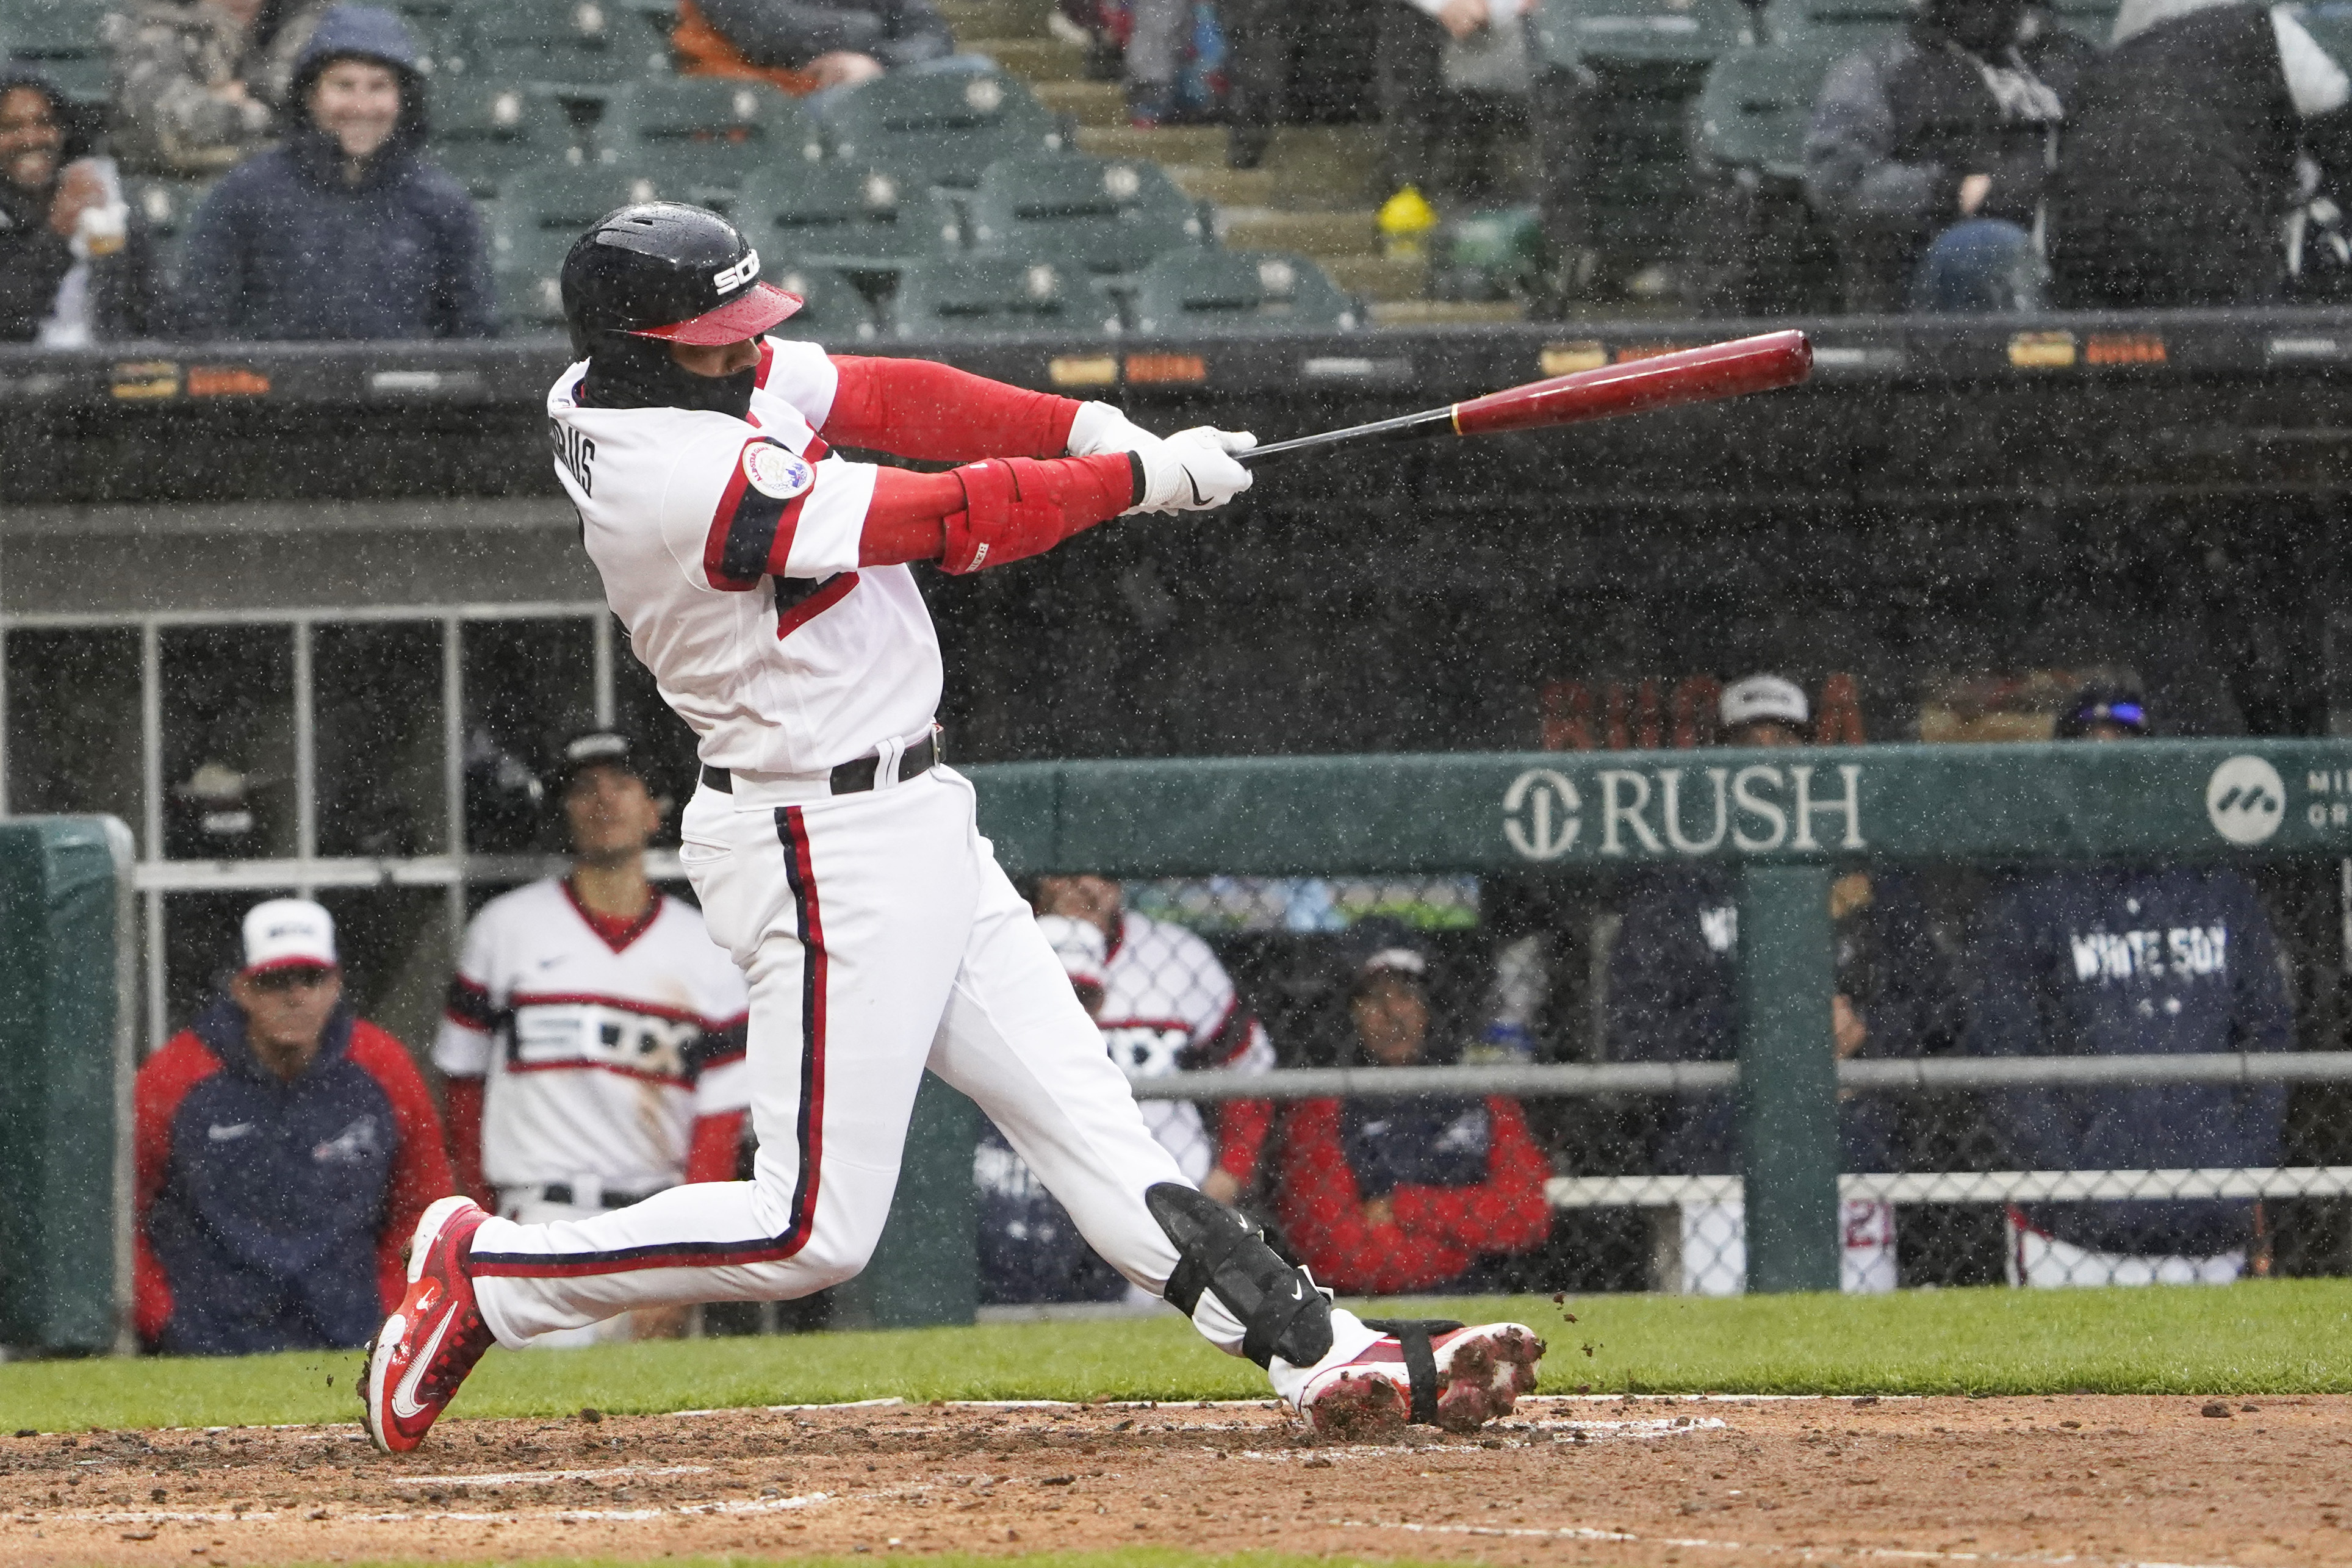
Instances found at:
x=2275 y=1336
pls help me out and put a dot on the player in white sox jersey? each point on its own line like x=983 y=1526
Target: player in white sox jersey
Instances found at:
x=764 y=582
x=591 y=1049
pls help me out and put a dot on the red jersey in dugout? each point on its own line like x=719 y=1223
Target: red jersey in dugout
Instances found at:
x=598 y=1054
x=729 y=549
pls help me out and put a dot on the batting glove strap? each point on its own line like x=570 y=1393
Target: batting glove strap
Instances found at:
x=1098 y=428
x=1018 y=507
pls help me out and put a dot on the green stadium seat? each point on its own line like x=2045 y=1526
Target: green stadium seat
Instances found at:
x=590 y=46
x=1196 y=290
x=1840 y=26
x=956 y=296
x=831 y=309
x=1756 y=106
x=485 y=133
x=1579 y=32
x=1099 y=215
x=940 y=127
x=65 y=40
x=836 y=215
x=534 y=221
x=708 y=137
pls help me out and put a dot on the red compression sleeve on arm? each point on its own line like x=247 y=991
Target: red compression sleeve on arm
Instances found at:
x=985 y=514
x=710 y=1154
x=941 y=414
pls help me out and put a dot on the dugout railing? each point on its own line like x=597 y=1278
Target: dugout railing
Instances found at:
x=1781 y=823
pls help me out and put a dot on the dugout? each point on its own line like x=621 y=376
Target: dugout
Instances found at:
x=343 y=575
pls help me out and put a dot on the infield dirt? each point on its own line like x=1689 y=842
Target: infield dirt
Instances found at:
x=2264 y=1480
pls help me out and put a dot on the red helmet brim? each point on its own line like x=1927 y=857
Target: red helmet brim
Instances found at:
x=749 y=314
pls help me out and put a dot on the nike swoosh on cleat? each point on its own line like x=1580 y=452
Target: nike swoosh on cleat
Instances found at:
x=404 y=1404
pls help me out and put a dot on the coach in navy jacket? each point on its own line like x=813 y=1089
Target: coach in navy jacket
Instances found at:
x=2124 y=961
x=346 y=231
x=285 y=1150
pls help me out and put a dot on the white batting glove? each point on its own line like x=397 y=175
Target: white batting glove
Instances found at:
x=1193 y=470
x=1098 y=427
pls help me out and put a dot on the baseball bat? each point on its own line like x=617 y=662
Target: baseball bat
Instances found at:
x=1637 y=387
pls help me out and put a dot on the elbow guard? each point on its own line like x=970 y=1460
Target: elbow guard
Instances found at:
x=1018 y=507
x=1283 y=1313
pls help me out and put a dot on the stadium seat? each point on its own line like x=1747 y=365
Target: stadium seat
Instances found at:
x=65 y=40
x=952 y=296
x=836 y=215
x=534 y=221
x=1839 y=27
x=706 y=137
x=1574 y=32
x=937 y=127
x=1760 y=249
x=1099 y=215
x=1753 y=111
x=832 y=309
x=1196 y=290
x=584 y=45
x=485 y=133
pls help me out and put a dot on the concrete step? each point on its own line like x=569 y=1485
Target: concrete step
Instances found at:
x=1227 y=187
x=1168 y=144
x=1318 y=235
x=1093 y=104
x=1377 y=277
x=969 y=19
x=1033 y=61
x=1444 y=312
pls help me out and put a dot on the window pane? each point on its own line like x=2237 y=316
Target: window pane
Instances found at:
x=379 y=716
x=529 y=683
x=73 y=723
x=228 y=742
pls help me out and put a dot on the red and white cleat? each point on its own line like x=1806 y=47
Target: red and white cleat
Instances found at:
x=1440 y=1374
x=434 y=1337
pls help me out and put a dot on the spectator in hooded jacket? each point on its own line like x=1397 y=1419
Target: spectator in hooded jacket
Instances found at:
x=1929 y=155
x=285 y=1150
x=1673 y=997
x=2131 y=961
x=808 y=46
x=200 y=84
x=74 y=265
x=2182 y=161
x=1385 y=1195
x=345 y=232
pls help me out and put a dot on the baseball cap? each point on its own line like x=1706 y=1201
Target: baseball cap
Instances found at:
x=1764 y=697
x=289 y=933
x=596 y=747
x=2102 y=704
x=1383 y=946
x=1079 y=945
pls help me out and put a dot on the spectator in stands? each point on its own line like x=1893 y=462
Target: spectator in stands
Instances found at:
x=1453 y=88
x=1929 y=155
x=74 y=265
x=1164 y=1005
x=2129 y=961
x=808 y=46
x=285 y=1150
x=1386 y=1195
x=200 y=84
x=2188 y=145
x=594 y=1046
x=1673 y=997
x=347 y=231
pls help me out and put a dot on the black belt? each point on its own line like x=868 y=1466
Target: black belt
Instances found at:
x=852 y=777
x=561 y=1193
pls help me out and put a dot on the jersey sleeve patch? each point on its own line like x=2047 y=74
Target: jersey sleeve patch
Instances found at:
x=468 y=1005
x=751 y=530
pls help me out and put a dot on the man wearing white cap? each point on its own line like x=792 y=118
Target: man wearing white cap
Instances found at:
x=285 y=1148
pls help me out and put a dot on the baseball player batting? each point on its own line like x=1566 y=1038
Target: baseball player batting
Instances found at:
x=766 y=584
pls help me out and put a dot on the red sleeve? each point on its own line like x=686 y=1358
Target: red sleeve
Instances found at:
x=938 y=413
x=1323 y=1216
x=162 y=1083
x=1010 y=508
x=420 y=1168
x=711 y=1156
x=1508 y=1213
x=463 y=1099
x=1242 y=1127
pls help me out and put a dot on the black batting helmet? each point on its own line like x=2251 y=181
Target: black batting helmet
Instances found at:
x=664 y=269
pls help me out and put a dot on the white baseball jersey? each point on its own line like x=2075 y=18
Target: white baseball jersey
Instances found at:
x=1169 y=1006
x=598 y=1055
x=729 y=548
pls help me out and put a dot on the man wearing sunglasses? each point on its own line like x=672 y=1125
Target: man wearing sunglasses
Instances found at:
x=285 y=1149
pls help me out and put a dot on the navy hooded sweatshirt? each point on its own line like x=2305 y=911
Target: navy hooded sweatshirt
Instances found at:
x=292 y=245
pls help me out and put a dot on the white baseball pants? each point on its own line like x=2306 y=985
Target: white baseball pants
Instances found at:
x=879 y=937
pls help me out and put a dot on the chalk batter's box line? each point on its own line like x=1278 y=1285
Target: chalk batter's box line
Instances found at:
x=1803 y=1553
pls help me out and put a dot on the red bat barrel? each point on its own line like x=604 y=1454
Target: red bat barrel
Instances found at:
x=1662 y=381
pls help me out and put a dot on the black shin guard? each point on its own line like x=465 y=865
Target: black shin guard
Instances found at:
x=1281 y=1310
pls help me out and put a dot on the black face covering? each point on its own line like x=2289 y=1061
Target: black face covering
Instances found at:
x=626 y=371
x=1980 y=26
